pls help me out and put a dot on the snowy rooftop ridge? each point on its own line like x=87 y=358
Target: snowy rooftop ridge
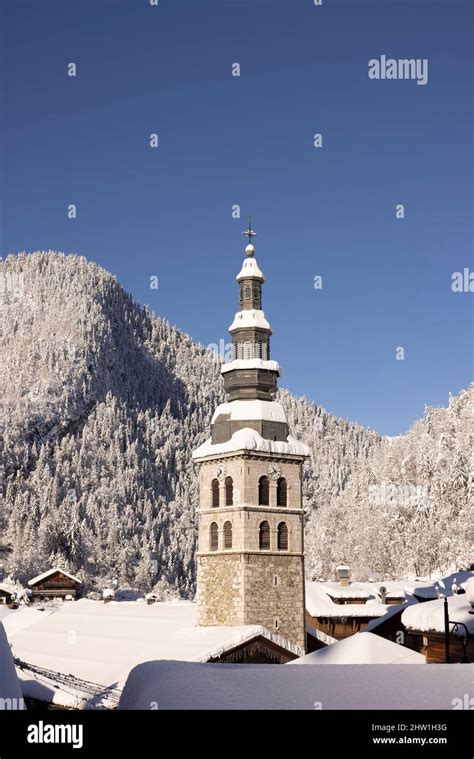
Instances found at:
x=363 y=648
x=111 y=639
x=353 y=590
x=328 y=640
x=183 y=686
x=250 y=440
x=429 y=615
x=49 y=572
x=319 y=604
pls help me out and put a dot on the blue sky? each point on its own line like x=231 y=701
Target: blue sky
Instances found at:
x=248 y=140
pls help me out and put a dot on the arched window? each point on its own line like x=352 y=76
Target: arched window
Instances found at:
x=282 y=537
x=215 y=494
x=213 y=537
x=281 y=492
x=227 y=535
x=264 y=536
x=229 y=491
x=263 y=491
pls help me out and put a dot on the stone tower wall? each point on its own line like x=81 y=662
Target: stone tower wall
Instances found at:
x=243 y=584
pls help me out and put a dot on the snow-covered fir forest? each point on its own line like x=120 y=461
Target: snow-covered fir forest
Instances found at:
x=102 y=404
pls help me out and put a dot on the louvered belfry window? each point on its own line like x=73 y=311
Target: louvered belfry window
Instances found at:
x=281 y=492
x=227 y=535
x=247 y=350
x=215 y=494
x=263 y=491
x=282 y=536
x=229 y=491
x=264 y=536
x=213 y=537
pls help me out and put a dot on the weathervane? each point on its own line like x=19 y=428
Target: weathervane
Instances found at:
x=249 y=232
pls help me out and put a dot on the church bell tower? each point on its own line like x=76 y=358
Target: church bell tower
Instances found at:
x=251 y=554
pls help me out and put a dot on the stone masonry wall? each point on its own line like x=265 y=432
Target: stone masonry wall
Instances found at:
x=220 y=593
x=274 y=594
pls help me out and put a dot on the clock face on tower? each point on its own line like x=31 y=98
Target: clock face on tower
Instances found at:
x=221 y=472
x=274 y=471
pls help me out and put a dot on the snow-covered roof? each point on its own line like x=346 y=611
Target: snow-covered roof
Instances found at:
x=250 y=440
x=429 y=615
x=253 y=409
x=353 y=590
x=109 y=639
x=252 y=317
x=251 y=363
x=365 y=589
x=4 y=589
x=50 y=572
x=428 y=589
x=319 y=604
x=9 y=683
x=363 y=648
x=392 y=611
x=183 y=686
x=250 y=269
x=323 y=637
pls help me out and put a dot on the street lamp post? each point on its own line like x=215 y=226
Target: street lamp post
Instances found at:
x=455 y=626
x=446 y=631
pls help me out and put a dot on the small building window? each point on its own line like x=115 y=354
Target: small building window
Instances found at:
x=263 y=491
x=281 y=492
x=264 y=536
x=227 y=535
x=247 y=293
x=215 y=494
x=229 y=491
x=213 y=537
x=282 y=537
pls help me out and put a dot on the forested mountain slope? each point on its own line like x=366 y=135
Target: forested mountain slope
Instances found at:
x=102 y=404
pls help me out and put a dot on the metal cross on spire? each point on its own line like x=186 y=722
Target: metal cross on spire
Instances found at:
x=249 y=232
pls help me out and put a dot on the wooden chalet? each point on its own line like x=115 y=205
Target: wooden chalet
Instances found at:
x=5 y=595
x=432 y=645
x=338 y=626
x=425 y=630
x=338 y=611
x=55 y=583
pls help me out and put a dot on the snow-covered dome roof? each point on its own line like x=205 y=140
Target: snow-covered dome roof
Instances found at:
x=250 y=268
x=270 y=411
x=250 y=440
x=251 y=317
